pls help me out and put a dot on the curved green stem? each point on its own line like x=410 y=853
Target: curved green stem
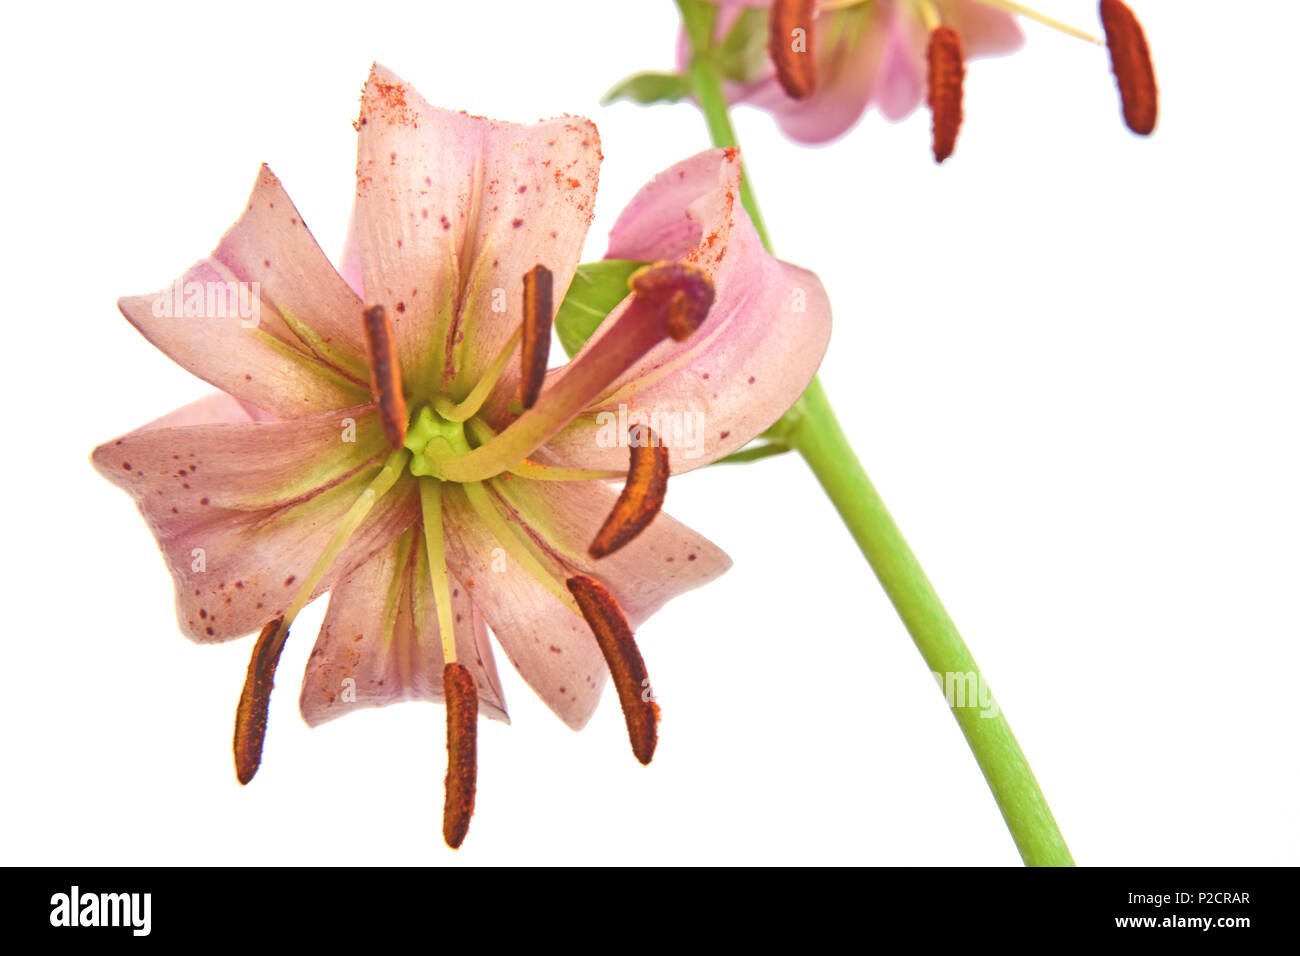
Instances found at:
x=817 y=436
x=812 y=429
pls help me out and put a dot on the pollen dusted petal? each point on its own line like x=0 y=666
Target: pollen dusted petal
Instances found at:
x=642 y=496
x=626 y=667
x=538 y=316
x=790 y=45
x=947 y=72
x=385 y=374
x=250 y=717
x=1130 y=58
x=462 y=753
x=451 y=207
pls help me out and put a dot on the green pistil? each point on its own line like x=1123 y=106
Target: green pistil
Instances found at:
x=427 y=428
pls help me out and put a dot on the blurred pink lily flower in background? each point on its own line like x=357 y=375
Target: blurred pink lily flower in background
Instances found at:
x=391 y=433
x=830 y=62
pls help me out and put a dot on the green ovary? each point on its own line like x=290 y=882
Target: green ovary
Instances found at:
x=428 y=428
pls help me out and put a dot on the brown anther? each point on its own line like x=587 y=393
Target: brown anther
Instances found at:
x=385 y=374
x=250 y=716
x=461 y=697
x=642 y=495
x=1130 y=59
x=790 y=46
x=681 y=292
x=614 y=635
x=947 y=72
x=536 y=345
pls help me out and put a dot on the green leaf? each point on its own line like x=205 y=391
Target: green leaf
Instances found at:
x=650 y=87
x=597 y=287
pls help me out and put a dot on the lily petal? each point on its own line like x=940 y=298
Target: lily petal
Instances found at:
x=357 y=662
x=269 y=320
x=745 y=366
x=900 y=84
x=242 y=509
x=984 y=31
x=849 y=61
x=663 y=561
x=548 y=643
x=450 y=209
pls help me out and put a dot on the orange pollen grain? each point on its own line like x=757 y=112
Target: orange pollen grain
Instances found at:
x=250 y=716
x=642 y=495
x=385 y=374
x=790 y=46
x=947 y=72
x=536 y=346
x=614 y=635
x=1130 y=59
x=462 y=752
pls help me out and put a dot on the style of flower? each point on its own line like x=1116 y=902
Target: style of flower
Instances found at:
x=830 y=61
x=393 y=435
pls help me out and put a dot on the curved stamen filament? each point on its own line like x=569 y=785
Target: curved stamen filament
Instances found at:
x=928 y=14
x=1029 y=13
x=483 y=433
x=467 y=409
x=531 y=469
x=535 y=334
x=346 y=527
x=395 y=586
x=480 y=500
x=431 y=509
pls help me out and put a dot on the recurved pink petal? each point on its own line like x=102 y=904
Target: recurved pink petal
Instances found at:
x=549 y=644
x=265 y=317
x=452 y=207
x=663 y=561
x=241 y=509
x=744 y=367
x=380 y=643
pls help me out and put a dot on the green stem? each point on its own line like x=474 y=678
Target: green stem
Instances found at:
x=815 y=432
x=818 y=437
x=707 y=81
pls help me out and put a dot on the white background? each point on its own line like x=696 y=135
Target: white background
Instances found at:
x=1068 y=359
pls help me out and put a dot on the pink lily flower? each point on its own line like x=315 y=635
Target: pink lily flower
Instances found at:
x=831 y=61
x=392 y=434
